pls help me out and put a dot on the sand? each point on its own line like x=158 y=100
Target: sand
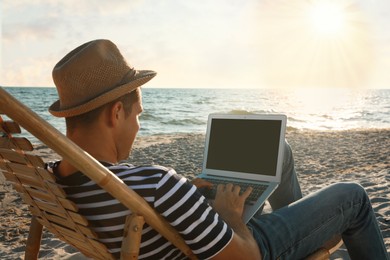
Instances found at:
x=322 y=158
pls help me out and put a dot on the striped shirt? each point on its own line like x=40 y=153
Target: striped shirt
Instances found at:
x=171 y=195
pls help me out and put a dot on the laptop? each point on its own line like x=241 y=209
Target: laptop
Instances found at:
x=245 y=150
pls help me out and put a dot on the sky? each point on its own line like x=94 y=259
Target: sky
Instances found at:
x=206 y=44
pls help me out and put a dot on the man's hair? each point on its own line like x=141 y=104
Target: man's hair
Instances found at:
x=88 y=118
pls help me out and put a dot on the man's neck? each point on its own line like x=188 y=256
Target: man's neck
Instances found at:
x=98 y=145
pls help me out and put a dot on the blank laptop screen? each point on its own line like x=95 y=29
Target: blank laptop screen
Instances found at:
x=244 y=145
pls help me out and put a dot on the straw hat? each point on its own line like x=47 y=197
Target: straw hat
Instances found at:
x=92 y=75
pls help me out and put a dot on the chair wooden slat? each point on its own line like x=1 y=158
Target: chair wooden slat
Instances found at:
x=40 y=194
x=46 y=175
x=20 y=143
x=10 y=127
x=47 y=197
x=97 y=252
x=12 y=156
x=69 y=232
x=77 y=238
x=10 y=177
x=51 y=208
x=16 y=157
x=61 y=220
x=58 y=191
x=29 y=170
x=35 y=160
x=76 y=217
x=29 y=181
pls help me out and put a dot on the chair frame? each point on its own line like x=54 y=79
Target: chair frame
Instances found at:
x=141 y=211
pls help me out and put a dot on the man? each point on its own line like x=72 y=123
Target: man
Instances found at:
x=100 y=98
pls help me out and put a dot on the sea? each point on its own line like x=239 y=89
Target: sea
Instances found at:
x=184 y=110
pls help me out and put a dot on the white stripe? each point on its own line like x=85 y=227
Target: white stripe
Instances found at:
x=196 y=223
x=146 y=230
x=114 y=250
x=205 y=231
x=98 y=204
x=138 y=178
x=170 y=193
x=143 y=186
x=164 y=179
x=154 y=251
x=127 y=170
x=188 y=213
x=212 y=243
x=109 y=228
x=110 y=215
x=151 y=240
x=180 y=202
x=86 y=193
x=111 y=239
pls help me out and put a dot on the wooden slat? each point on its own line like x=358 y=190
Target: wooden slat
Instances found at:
x=98 y=249
x=44 y=196
x=68 y=204
x=19 y=143
x=69 y=223
x=58 y=191
x=46 y=174
x=53 y=209
x=10 y=127
x=3 y=165
x=16 y=157
x=22 y=169
x=35 y=211
x=98 y=252
x=31 y=171
x=12 y=156
x=35 y=160
x=40 y=195
x=30 y=181
x=49 y=226
x=69 y=232
x=63 y=221
x=78 y=218
x=10 y=177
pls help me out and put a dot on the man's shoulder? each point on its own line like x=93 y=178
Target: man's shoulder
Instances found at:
x=126 y=168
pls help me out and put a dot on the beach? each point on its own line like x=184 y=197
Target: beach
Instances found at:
x=321 y=158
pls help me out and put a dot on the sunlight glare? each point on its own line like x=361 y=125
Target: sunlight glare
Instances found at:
x=316 y=43
x=327 y=18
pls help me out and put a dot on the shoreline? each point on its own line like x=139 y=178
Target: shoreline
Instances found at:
x=321 y=158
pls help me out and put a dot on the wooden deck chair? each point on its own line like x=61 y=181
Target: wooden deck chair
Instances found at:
x=47 y=201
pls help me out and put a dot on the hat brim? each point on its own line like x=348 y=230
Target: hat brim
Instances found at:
x=141 y=77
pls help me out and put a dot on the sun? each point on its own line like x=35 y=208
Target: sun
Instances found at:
x=315 y=43
x=326 y=18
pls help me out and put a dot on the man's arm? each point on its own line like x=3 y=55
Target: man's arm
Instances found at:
x=229 y=204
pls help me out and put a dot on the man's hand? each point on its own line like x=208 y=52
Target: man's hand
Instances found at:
x=228 y=201
x=201 y=183
x=229 y=204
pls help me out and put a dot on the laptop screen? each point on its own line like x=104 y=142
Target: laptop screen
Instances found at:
x=244 y=145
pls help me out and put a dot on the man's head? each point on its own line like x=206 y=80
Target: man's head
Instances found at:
x=91 y=76
x=100 y=97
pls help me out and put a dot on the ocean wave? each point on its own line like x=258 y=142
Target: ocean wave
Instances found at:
x=246 y=112
x=149 y=117
x=185 y=122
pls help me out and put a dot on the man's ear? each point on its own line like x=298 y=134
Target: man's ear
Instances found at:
x=115 y=113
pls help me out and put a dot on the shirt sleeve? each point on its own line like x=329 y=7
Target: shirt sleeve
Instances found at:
x=190 y=214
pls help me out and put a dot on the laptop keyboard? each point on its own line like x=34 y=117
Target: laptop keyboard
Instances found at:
x=258 y=189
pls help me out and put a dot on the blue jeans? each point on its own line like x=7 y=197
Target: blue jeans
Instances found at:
x=296 y=229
